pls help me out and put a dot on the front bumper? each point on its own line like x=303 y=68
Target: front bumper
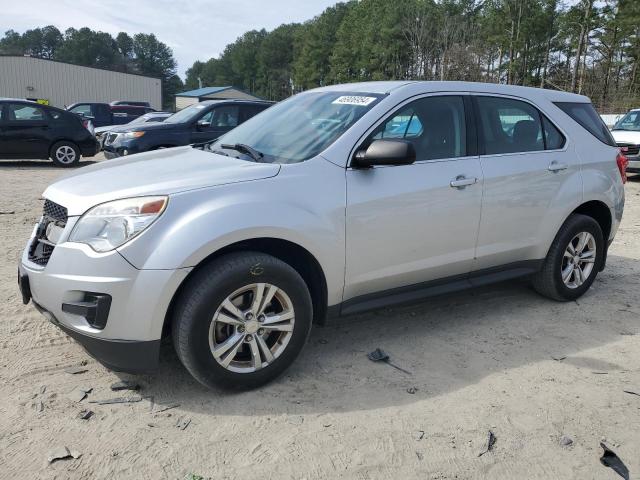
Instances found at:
x=120 y=149
x=634 y=164
x=129 y=356
x=139 y=299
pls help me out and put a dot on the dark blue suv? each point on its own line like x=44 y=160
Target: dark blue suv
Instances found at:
x=199 y=123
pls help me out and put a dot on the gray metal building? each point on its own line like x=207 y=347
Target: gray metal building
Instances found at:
x=61 y=84
x=184 y=99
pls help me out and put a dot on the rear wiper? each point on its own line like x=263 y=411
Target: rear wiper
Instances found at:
x=242 y=148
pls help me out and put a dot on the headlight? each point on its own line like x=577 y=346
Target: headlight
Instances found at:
x=112 y=224
x=132 y=134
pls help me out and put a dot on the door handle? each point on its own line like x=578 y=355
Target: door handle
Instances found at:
x=556 y=167
x=461 y=181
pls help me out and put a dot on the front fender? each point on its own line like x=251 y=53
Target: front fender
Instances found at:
x=304 y=204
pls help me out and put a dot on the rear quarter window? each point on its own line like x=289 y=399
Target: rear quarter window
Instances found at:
x=587 y=117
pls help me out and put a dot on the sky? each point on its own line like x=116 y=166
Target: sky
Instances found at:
x=194 y=29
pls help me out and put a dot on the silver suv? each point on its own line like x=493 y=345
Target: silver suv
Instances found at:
x=333 y=202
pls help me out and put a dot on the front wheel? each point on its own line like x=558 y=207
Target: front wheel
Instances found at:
x=241 y=320
x=65 y=154
x=573 y=260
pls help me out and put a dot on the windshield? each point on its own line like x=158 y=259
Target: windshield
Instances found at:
x=141 y=119
x=631 y=121
x=301 y=127
x=187 y=114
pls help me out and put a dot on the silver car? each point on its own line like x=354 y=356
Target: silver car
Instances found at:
x=336 y=201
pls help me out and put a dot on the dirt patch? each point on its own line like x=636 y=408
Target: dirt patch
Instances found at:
x=480 y=361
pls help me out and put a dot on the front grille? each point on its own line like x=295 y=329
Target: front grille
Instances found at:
x=111 y=138
x=55 y=211
x=41 y=249
x=631 y=149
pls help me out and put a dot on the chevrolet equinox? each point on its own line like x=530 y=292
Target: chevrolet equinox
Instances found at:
x=338 y=200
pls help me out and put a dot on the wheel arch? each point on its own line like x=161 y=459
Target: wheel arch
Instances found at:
x=289 y=252
x=53 y=143
x=600 y=212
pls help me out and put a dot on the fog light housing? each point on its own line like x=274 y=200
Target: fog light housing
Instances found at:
x=94 y=308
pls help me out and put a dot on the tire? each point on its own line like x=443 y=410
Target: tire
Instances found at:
x=65 y=154
x=198 y=329
x=549 y=280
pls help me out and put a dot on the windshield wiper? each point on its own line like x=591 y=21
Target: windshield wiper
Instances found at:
x=246 y=149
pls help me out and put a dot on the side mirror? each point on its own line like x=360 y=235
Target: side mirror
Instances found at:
x=203 y=125
x=386 y=152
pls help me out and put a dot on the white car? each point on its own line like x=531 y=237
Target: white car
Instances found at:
x=626 y=133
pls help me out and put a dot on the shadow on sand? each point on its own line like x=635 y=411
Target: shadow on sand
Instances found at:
x=447 y=343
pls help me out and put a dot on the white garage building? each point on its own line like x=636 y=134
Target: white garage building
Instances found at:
x=60 y=84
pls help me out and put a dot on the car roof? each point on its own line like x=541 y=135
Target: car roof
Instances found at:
x=31 y=102
x=416 y=87
x=235 y=100
x=127 y=106
x=23 y=100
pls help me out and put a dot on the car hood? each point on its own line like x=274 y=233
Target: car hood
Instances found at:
x=626 y=136
x=146 y=127
x=160 y=172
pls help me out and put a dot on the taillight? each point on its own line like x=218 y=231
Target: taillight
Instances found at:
x=623 y=163
x=85 y=124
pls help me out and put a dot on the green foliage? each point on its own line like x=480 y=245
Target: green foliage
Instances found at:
x=523 y=42
x=143 y=53
x=588 y=46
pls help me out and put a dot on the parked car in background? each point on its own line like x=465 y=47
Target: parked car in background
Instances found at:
x=199 y=123
x=335 y=201
x=31 y=130
x=127 y=102
x=626 y=133
x=101 y=132
x=102 y=114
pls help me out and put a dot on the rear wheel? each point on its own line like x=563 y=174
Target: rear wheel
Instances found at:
x=573 y=260
x=65 y=154
x=242 y=320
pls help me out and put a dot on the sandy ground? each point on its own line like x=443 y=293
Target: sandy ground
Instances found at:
x=480 y=360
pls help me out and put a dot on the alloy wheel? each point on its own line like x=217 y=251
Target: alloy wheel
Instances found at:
x=578 y=259
x=251 y=328
x=65 y=154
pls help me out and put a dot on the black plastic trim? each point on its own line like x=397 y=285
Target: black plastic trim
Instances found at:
x=131 y=356
x=94 y=308
x=470 y=126
x=24 y=286
x=417 y=292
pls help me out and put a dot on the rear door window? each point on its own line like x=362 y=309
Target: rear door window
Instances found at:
x=554 y=140
x=509 y=126
x=587 y=117
x=248 y=111
x=20 y=112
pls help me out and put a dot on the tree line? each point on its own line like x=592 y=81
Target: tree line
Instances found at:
x=142 y=53
x=589 y=47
